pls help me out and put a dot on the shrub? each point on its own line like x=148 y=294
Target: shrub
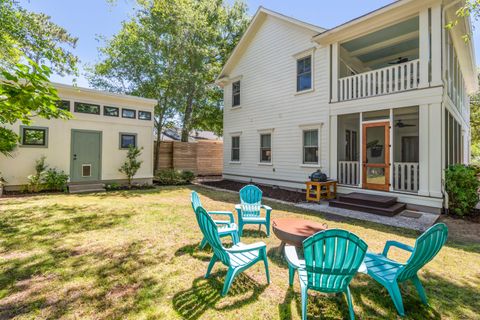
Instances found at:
x=131 y=164
x=35 y=181
x=174 y=177
x=55 y=180
x=113 y=186
x=462 y=185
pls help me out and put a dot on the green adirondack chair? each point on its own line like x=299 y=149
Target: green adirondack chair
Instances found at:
x=390 y=273
x=248 y=210
x=332 y=258
x=237 y=258
x=225 y=227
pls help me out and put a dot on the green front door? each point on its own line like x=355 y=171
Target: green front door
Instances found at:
x=85 y=158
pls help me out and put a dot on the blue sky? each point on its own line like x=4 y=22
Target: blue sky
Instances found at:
x=89 y=19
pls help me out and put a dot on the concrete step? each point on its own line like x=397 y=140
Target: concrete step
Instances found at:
x=86 y=188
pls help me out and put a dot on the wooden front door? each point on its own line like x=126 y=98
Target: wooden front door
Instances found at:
x=376 y=156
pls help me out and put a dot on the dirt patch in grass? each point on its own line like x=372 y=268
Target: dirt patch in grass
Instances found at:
x=268 y=191
x=461 y=229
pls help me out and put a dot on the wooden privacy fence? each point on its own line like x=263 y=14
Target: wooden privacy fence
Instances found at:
x=204 y=158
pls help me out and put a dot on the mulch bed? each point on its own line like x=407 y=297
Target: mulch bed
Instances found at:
x=268 y=191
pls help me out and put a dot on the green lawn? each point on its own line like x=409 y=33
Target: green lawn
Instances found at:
x=134 y=255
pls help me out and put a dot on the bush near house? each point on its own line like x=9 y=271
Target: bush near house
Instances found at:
x=462 y=187
x=174 y=177
x=46 y=179
x=131 y=164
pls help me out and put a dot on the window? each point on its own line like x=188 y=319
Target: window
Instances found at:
x=144 y=115
x=87 y=108
x=110 y=111
x=304 y=73
x=310 y=146
x=128 y=113
x=236 y=94
x=235 y=149
x=34 y=136
x=266 y=147
x=127 y=140
x=64 y=105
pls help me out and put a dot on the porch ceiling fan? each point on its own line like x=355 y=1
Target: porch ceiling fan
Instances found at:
x=400 y=124
x=399 y=60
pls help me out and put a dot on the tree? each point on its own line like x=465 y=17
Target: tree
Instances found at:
x=171 y=51
x=470 y=8
x=475 y=128
x=31 y=47
x=131 y=164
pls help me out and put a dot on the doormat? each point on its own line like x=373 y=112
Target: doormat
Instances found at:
x=411 y=214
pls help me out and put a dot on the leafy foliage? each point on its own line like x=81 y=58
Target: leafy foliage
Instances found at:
x=172 y=51
x=462 y=186
x=35 y=181
x=475 y=127
x=470 y=8
x=171 y=177
x=131 y=164
x=55 y=180
x=25 y=91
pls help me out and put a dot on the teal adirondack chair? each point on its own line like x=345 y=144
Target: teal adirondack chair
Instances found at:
x=248 y=210
x=390 y=273
x=225 y=227
x=332 y=258
x=237 y=258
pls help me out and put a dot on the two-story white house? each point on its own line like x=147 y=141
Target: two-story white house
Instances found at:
x=379 y=103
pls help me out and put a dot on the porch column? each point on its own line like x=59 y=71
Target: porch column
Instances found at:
x=436 y=29
x=434 y=150
x=424 y=48
x=334 y=72
x=333 y=147
x=423 y=135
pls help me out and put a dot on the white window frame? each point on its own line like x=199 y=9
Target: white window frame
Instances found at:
x=239 y=148
x=311 y=146
x=307 y=127
x=301 y=55
x=260 y=133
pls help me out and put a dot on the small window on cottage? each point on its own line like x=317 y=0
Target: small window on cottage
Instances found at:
x=129 y=113
x=111 y=111
x=127 y=140
x=236 y=94
x=266 y=147
x=310 y=146
x=144 y=115
x=81 y=107
x=304 y=73
x=34 y=136
x=235 y=149
x=64 y=105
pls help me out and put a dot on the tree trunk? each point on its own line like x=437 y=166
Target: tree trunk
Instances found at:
x=187 y=117
x=159 y=127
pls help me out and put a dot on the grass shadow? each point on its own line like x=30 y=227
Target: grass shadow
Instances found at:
x=205 y=294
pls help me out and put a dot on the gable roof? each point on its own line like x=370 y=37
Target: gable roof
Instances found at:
x=255 y=23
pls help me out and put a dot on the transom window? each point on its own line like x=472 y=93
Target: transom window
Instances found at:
x=110 y=111
x=144 y=115
x=304 y=73
x=266 y=147
x=236 y=93
x=129 y=113
x=127 y=140
x=235 y=148
x=310 y=146
x=82 y=107
x=34 y=136
x=64 y=105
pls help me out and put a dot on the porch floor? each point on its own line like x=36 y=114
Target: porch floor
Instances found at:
x=408 y=219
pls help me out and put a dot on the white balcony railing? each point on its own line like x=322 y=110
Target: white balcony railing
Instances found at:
x=348 y=172
x=395 y=78
x=405 y=176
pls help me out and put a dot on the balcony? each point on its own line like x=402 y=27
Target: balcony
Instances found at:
x=392 y=79
x=386 y=61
